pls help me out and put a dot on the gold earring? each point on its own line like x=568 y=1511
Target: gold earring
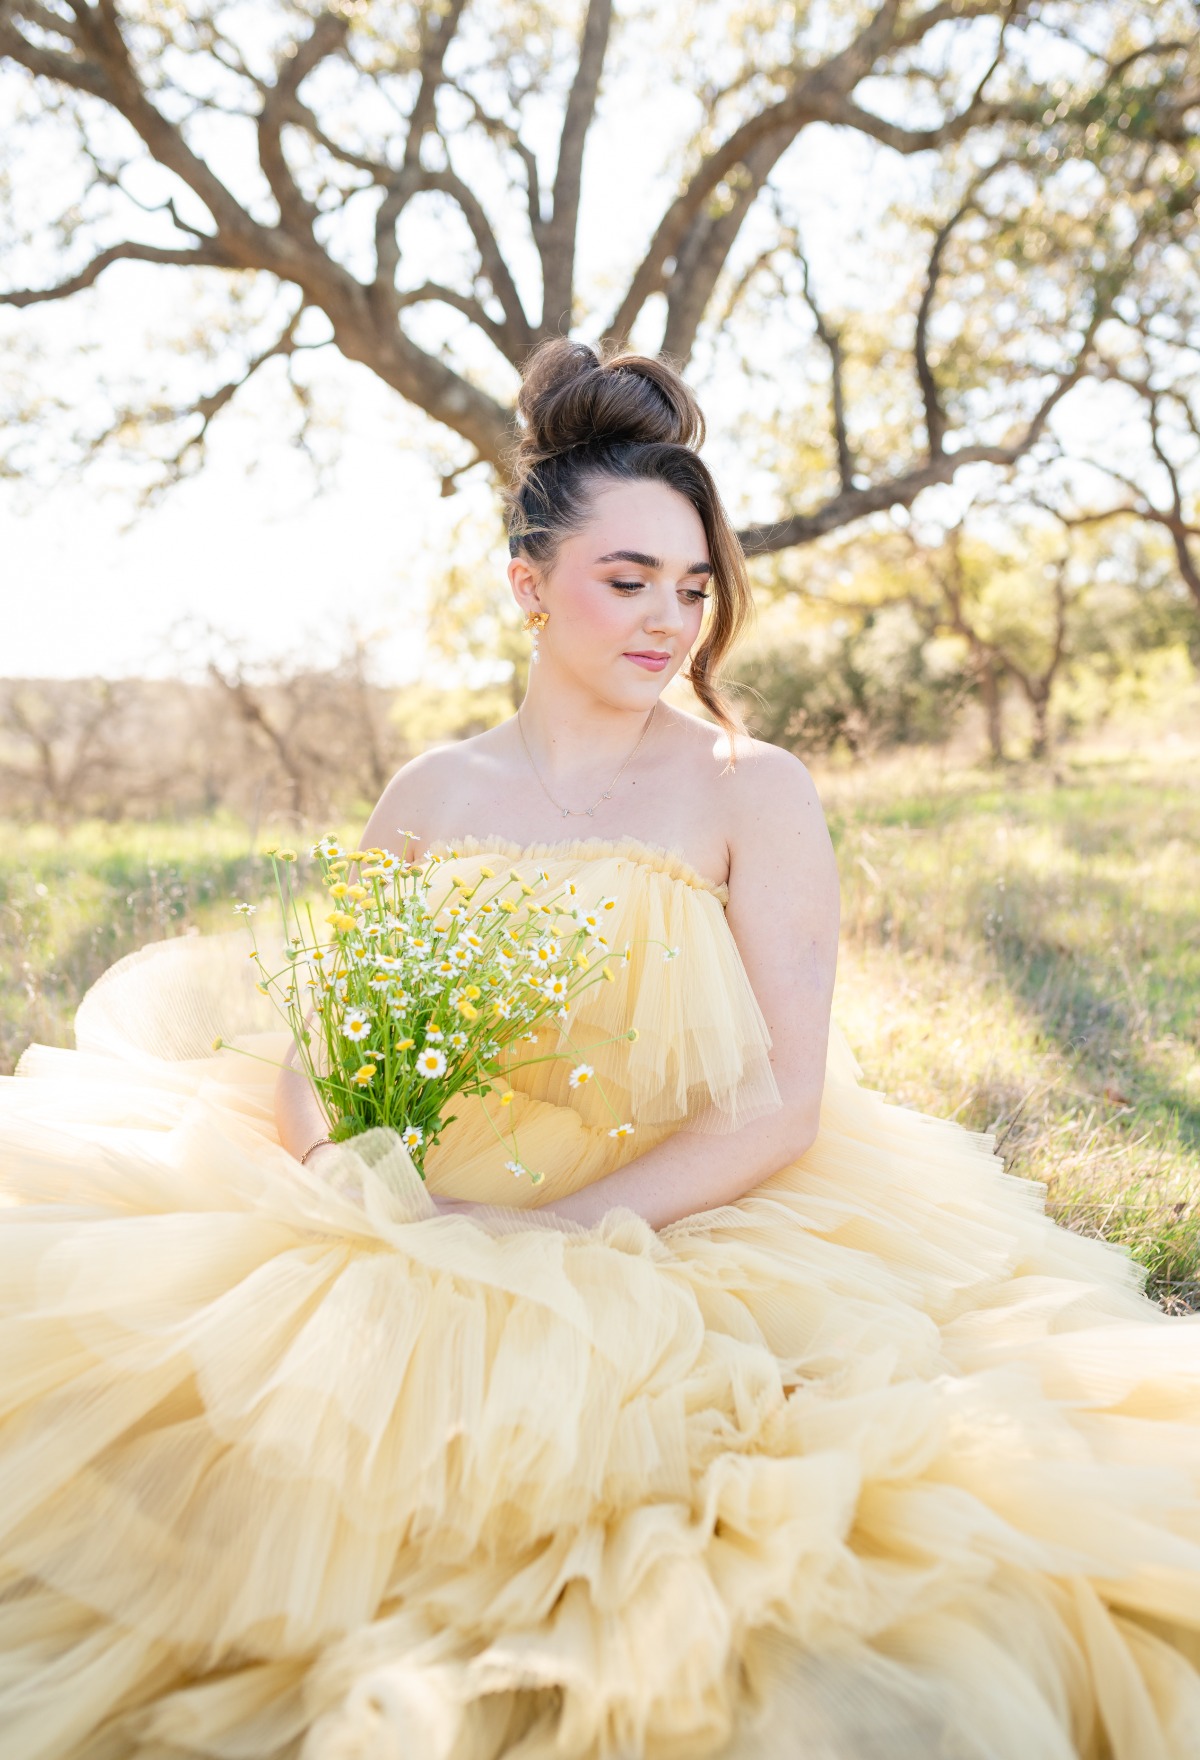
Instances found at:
x=535 y=621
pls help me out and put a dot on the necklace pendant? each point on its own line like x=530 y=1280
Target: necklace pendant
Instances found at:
x=590 y=811
x=607 y=795
x=566 y=812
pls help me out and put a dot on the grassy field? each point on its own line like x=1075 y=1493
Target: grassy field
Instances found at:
x=1022 y=954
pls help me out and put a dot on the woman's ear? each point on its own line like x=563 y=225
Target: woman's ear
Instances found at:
x=525 y=586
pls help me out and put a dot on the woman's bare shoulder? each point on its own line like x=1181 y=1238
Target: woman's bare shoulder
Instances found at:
x=427 y=795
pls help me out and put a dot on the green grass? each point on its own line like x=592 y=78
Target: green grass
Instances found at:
x=1020 y=953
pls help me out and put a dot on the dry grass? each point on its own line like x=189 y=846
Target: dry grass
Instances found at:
x=1025 y=958
x=1021 y=953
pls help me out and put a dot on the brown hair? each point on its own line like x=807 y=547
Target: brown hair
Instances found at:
x=627 y=418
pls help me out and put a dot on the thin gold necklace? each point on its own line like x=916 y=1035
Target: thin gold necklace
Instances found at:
x=583 y=812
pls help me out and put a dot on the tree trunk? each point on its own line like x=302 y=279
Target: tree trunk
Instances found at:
x=993 y=708
x=1040 y=705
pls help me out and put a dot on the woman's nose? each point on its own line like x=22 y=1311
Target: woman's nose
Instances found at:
x=664 y=612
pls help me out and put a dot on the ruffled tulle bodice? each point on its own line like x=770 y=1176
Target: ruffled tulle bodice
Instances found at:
x=874 y=1462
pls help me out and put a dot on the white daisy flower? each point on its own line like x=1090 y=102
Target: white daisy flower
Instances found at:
x=329 y=847
x=434 y=1035
x=589 y=920
x=516 y=1168
x=384 y=962
x=580 y=1076
x=473 y=941
x=445 y=968
x=461 y=956
x=546 y=952
x=502 y=1008
x=412 y=1136
x=670 y=953
x=621 y=1130
x=431 y=1063
x=387 y=861
x=379 y=981
x=245 y=910
x=607 y=904
x=458 y=1041
x=557 y=988
x=487 y=908
x=356 y=1023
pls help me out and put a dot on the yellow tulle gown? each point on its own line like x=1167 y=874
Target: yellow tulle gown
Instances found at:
x=875 y=1464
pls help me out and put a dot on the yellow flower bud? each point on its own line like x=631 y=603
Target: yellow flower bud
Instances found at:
x=405 y=1044
x=487 y=873
x=358 y=893
x=582 y=961
x=506 y=1099
x=468 y=1010
x=508 y=904
x=339 y=890
x=473 y=991
x=356 y=855
x=287 y=855
x=632 y=1034
x=270 y=849
x=607 y=975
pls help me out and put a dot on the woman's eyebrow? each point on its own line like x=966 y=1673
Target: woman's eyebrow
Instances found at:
x=644 y=561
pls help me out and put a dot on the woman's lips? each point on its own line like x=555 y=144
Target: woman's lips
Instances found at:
x=652 y=662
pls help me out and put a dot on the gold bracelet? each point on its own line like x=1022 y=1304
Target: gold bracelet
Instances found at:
x=319 y=1144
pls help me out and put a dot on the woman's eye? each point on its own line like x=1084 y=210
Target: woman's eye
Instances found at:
x=627 y=586
x=695 y=595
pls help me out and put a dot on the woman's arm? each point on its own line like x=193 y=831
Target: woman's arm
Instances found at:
x=299 y=1116
x=783 y=911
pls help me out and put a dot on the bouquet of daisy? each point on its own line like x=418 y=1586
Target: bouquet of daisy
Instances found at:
x=422 y=986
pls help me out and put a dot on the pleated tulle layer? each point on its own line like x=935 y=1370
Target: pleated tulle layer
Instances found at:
x=874 y=1463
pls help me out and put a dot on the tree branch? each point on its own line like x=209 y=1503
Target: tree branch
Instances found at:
x=935 y=415
x=819 y=94
x=401 y=186
x=202 y=256
x=518 y=332
x=558 y=240
x=326 y=38
x=832 y=342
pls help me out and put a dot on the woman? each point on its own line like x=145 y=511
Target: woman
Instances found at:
x=786 y=1425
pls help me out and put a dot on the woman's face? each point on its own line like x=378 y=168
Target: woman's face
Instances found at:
x=625 y=593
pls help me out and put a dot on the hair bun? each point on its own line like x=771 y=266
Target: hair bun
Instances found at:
x=572 y=396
